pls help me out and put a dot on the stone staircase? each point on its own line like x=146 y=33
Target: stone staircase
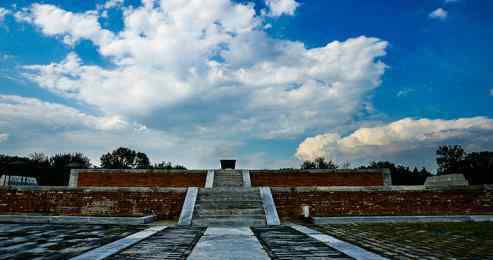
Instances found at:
x=228 y=178
x=229 y=203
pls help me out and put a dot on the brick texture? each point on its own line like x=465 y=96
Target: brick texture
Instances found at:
x=142 y=179
x=166 y=205
x=300 y=178
x=346 y=203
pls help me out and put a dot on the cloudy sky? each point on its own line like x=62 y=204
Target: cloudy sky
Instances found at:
x=269 y=82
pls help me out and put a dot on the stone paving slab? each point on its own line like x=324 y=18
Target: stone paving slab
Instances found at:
x=172 y=243
x=463 y=240
x=119 y=245
x=228 y=243
x=401 y=219
x=345 y=247
x=55 y=241
x=284 y=242
x=43 y=219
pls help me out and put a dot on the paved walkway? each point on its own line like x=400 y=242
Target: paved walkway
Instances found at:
x=228 y=243
x=284 y=242
x=464 y=240
x=56 y=241
x=172 y=243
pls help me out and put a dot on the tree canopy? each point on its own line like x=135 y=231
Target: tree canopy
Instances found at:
x=125 y=158
x=318 y=163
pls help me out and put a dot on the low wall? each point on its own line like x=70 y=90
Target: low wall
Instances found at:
x=137 y=178
x=166 y=203
x=392 y=200
x=304 y=178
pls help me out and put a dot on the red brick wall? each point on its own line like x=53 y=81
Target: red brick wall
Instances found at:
x=353 y=203
x=81 y=202
x=300 y=178
x=156 y=178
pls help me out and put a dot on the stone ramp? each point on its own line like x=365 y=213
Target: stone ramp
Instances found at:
x=172 y=243
x=284 y=242
x=229 y=206
x=228 y=243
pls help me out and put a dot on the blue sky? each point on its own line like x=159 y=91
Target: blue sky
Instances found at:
x=268 y=82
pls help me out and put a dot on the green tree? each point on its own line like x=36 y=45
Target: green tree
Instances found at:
x=318 y=163
x=401 y=175
x=478 y=167
x=450 y=159
x=60 y=166
x=168 y=166
x=142 y=161
x=125 y=158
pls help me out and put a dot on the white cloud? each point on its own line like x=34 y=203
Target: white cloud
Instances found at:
x=405 y=92
x=399 y=139
x=184 y=53
x=113 y=3
x=281 y=7
x=3 y=13
x=3 y=137
x=38 y=126
x=70 y=26
x=25 y=112
x=439 y=14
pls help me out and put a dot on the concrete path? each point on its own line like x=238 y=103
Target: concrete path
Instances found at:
x=228 y=243
x=347 y=248
x=284 y=242
x=112 y=248
x=173 y=243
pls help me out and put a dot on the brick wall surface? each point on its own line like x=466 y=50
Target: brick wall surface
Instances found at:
x=300 y=178
x=353 y=203
x=105 y=178
x=166 y=205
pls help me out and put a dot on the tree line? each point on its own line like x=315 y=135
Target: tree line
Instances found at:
x=477 y=167
x=55 y=170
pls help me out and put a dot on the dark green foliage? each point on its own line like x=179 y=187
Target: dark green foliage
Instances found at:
x=401 y=175
x=61 y=164
x=449 y=159
x=477 y=167
x=168 y=166
x=53 y=171
x=125 y=158
x=142 y=161
x=318 y=163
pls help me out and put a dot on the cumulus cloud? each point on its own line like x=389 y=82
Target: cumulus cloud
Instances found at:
x=71 y=27
x=439 y=14
x=281 y=7
x=3 y=137
x=396 y=140
x=26 y=112
x=3 y=13
x=203 y=54
x=32 y=125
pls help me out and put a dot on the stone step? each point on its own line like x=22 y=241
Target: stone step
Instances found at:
x=242 y=195
x=219 y=216
x=230 y=221
x=235 y=211
x=229 y=189
x=235 y=205
x=228 y=184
